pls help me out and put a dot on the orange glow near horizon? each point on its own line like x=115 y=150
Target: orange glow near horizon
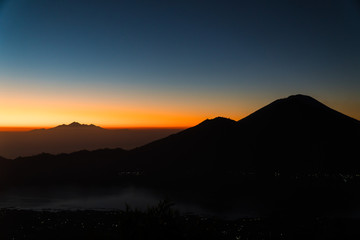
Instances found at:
x=26 y=109
x=30 y=108
x=29 y=128
x=109 y=120
x=24 y=113
x=16 y=129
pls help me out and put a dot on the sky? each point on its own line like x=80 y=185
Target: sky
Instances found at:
x=172 y=63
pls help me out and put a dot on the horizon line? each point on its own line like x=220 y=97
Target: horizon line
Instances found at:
x=30 y=128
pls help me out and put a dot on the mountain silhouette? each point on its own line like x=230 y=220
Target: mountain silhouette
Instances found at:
x=295 y=135
x=298 y=108
x=295 y=156
x=299 y=132
x=67 y=138
x=77 y=125
x=194 y=151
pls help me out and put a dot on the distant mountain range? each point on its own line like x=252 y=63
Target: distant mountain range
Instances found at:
x=77 y=125
x=295 y=135
x=75 y=137
x=295 y=156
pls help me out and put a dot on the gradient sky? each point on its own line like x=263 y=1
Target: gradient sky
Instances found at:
x=172 y=63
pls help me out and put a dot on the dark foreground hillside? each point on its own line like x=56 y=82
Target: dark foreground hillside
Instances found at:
x=162 y=222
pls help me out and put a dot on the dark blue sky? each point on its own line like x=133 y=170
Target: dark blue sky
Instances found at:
x=224 y=55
